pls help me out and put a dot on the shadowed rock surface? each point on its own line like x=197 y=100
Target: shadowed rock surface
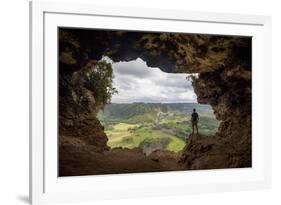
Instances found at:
x=80 y=158
x=224 y=82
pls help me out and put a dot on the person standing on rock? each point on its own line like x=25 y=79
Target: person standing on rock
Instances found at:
x=194 y=121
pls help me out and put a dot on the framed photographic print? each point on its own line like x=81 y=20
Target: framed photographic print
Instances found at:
x=130 y=102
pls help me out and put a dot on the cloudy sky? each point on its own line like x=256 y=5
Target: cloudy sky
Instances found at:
x=136 y=82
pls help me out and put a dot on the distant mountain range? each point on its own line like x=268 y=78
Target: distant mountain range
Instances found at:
x=126 y=111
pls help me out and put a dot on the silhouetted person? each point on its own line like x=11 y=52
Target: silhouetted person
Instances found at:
x=194 y=121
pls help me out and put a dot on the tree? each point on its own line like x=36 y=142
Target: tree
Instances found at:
x=100 y=83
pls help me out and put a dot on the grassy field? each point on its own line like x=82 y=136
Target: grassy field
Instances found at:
x=147 y=127
x=134 y=135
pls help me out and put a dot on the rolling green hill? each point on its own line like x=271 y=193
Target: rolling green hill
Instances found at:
x=152 y=126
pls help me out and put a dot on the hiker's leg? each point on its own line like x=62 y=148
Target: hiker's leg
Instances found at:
x=192 y=128
x=197 y=128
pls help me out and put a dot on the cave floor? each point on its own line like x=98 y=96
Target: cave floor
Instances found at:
x=78 y=159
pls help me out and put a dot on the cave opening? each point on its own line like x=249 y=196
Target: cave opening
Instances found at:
x=151 y=109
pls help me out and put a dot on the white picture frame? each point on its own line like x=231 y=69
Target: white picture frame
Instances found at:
x=46 y=186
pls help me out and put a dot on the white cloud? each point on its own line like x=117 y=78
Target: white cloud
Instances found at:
x=136 y=82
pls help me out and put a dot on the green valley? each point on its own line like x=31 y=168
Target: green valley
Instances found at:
x=153 y=126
